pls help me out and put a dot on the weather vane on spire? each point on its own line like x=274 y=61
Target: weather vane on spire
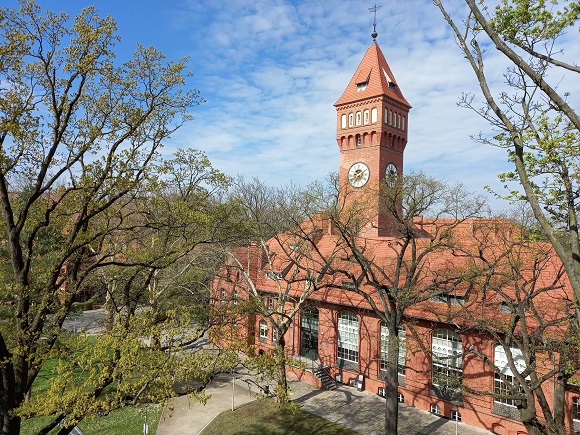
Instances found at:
x=374 y=9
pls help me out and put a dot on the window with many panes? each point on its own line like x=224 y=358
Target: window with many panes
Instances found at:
x=576 y=408
x=348 y=336
x=447 y=359
x=263 y=329
x=385 y=349
x=504 y=384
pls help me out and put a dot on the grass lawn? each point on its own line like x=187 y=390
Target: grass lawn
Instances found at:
x=127 y=421
x=265 y=416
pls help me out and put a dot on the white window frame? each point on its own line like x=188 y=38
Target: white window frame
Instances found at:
x=347 y=336
x=403 y=125
x=390 y=117
x=500 y=382
x=358 y=118
x=366 y=117
x=350 y=119
x=235 y=297
x=374 y=115
x=576 y=408
x=274 y=336
x=447 y=357
x=402 y=349
x=343 y=121
x=263 y=329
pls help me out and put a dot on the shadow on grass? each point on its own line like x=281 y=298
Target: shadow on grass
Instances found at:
x=267 y=417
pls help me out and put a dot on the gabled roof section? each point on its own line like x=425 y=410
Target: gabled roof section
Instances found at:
x=373 y=77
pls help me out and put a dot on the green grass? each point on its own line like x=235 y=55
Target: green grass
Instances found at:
x=126 y=421
x=268 y=417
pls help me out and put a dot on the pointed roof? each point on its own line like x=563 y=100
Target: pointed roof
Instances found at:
x=376 y=73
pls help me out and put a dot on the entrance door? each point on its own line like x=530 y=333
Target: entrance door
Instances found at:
x=309 y=333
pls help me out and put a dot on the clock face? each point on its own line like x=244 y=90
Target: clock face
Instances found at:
x=391 y=175
x=358 y=174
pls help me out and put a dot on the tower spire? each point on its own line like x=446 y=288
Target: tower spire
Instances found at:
x=374 y=9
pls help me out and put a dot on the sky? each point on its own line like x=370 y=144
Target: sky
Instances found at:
x=270 y=72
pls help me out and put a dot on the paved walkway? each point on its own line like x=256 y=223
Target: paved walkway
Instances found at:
x=362 y=412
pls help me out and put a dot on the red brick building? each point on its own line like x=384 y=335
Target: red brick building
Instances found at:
x=338 y=330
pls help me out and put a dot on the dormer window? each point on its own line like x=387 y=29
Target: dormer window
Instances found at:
x=361 y=86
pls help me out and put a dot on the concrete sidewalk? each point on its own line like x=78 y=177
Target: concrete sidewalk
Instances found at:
x=362 y=412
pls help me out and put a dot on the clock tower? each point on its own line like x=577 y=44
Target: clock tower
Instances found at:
x=371 y=132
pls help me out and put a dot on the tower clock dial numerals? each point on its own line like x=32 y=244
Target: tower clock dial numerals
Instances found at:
x=358 y=174
x=391 y=175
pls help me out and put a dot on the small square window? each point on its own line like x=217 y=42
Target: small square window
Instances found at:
x=382 y=392
x=434 y=409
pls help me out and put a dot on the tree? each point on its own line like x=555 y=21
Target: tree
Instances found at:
x=534 y=121
x=520 y=300
x=280 y=269
x=78 y=134
x=397 y=274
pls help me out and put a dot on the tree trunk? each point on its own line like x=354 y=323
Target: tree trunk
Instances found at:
x=392 y=384
x=282 y=395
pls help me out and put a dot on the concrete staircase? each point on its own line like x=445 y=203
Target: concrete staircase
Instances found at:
x=327 y=382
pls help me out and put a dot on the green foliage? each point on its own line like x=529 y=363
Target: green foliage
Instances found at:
x=529 y=22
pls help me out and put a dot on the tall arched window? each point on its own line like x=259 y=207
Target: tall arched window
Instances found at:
x=358 y=118
x=390 y=117
x=366 y=117
x=309 y=333
x=343 y=121
x=447 y=359
x=350 y=119
x=402 y=348
x=403 y=125
x=504 y=384
x=358 y=141
x=374 y=115
x=348 y=336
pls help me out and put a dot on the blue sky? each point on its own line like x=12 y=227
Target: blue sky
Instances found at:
x=270 y=72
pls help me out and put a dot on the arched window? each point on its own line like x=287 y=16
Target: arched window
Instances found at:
x=263 y=330
x=309 y=333
x=386 y=118
x=504 y=384
x=390 y=117
x=399 y=120
x=350 y=119
x=402 y=348
x=366 y=117
x=347 y=336
x=358 y=141
x=343 y=121
x=358 y=118
x=403 y=125
x=447 y=359
x=374 y=114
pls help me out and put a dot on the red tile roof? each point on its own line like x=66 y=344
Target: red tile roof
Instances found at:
x=375 y=71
